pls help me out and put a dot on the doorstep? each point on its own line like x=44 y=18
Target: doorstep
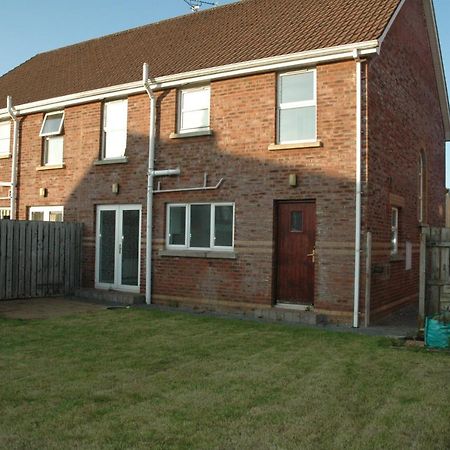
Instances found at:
x=111 y=297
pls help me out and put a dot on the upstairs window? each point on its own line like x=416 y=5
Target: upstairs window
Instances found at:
x=51 y=132
x=115 y=116
x=5 y=132
x=194 y=106
x=394 y=231
x=200 y=226
x=297 y=107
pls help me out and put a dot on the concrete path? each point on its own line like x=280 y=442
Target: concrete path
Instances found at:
x=46 y=308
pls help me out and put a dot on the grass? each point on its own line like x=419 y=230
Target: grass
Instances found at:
x=146 y=379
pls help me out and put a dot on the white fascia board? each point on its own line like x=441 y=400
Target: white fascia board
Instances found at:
x=435 y=45
x=292 y=60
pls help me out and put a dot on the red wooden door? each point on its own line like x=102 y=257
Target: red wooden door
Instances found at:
x=296 y=239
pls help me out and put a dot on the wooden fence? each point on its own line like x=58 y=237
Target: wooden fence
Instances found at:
x=39 y=259
x=436 y=267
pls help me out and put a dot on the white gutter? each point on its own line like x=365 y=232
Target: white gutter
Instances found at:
x=293 y=60
x=15 y=153
x=150 y=175
x=358 y=192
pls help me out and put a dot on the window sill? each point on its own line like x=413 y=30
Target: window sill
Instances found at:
x=191 y=134
x=51 y=167
x=103 y=162
x=212 y=254
x=5 y=155
x=312 y=144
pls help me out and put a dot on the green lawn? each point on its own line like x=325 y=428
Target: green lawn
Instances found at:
x=145 y=379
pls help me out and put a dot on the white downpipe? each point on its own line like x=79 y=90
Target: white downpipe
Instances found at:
x=13 y=114
x=358 y=193
x=150 y=176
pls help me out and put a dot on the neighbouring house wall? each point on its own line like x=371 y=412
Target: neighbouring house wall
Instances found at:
x=404 y=118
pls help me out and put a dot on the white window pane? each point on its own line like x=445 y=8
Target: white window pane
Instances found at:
x=200 y=226
x=177 y=225
x=52 y=124
x=297 y=88
x=54 y=150
x=37 y=215
x=193 y=100
x=55 y=216
x=116 y=115
x=115 y=143
x=298 y=124
x=195 y=119
x=223 y=225
x=5 y=130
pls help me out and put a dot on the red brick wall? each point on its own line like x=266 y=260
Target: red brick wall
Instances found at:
x=404 y=118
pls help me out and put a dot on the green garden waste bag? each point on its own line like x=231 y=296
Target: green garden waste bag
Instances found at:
x=437 y=331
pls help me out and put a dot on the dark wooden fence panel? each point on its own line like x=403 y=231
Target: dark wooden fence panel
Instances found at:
x=39 y=259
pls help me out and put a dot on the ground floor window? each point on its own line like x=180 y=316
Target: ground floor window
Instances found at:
x=47 y=213
x=200 y=226
x=394 y=231
x=5 y=213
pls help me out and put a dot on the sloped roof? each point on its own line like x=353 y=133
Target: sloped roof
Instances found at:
x=243 y=31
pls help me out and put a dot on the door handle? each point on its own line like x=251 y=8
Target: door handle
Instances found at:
x=312 y=255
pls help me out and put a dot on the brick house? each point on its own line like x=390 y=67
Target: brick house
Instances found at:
x=284 y=133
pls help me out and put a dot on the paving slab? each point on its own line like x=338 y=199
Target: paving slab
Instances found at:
x=46 y=308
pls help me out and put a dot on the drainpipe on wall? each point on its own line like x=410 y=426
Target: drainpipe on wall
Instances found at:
x=13 y=114
x=358 y=192
x=150 y=176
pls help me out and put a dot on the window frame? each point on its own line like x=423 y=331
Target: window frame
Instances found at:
x=296 y=105
x=46 y=210
x=61 y=125
x=6 y=123
x=104 y=130
x=395 y=212
x=212 y=237
x=47 y=140
x=180 y=110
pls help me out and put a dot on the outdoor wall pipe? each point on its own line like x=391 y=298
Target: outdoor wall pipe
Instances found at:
x=13 y=114
x=150 y=176
x=358 y=192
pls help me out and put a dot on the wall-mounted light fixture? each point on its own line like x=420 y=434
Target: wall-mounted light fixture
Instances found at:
x=43 y=192
x=293 y=180
x=115 y=188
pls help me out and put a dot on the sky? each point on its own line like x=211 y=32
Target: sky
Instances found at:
x=30 y=26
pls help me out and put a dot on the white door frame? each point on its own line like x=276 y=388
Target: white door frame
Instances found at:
x=118 y=247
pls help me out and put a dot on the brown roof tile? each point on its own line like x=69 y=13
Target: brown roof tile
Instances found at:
x=243 y=31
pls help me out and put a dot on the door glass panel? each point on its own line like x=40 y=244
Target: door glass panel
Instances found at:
x=130 y=247
x=107 y=246
x=200 y=226
x=296 y=221
x=37 y=215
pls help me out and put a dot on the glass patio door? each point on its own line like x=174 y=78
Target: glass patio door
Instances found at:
x=118 y=247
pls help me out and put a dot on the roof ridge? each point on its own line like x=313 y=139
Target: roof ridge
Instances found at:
x=139 y=27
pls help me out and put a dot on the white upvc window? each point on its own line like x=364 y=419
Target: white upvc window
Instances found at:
x=47 y=213
x=5 y=135
x=5 y=213
x=394 y=231
x=200 y=226
x=115 y=117
x=194 y=108
x=297 y=107
x=51 y=132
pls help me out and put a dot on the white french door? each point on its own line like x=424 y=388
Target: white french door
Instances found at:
x=118 y=246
